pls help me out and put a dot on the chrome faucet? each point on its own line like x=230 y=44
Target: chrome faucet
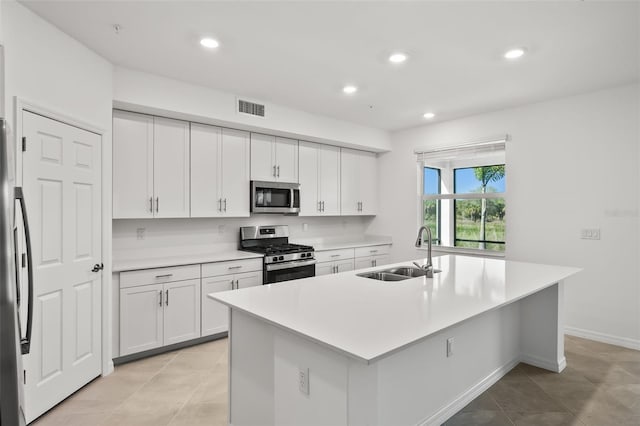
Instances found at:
x=429 y=266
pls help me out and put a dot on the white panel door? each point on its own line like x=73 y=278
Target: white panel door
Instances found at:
x=235 y=173
x=215 y=315
x=248 y=279
x=181 y=311
x=329 y=180
x=141 y=318
x=344 y=265
x=62 y=185
x=286 y=160
x=325 y=268
x=368 y=183
x=263 y=165
x=364 y=262
x=132 y=165
x=206 y=181
x=309 y=197
x=171 y=167
x=349 y=182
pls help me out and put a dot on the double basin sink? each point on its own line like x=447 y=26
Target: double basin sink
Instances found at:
x=396 y=274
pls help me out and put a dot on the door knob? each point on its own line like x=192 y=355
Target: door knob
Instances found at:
x=97 y=267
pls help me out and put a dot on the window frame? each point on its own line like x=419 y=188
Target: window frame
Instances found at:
x=452 y=196
x=437 y=240
x=454 y=207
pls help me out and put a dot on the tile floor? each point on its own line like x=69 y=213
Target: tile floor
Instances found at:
x=599 y=387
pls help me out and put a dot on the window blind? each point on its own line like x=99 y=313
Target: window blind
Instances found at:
x=487 y=148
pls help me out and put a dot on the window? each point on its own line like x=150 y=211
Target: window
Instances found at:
x=463 y=196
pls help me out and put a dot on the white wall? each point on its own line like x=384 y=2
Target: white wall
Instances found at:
x=143 y=92
x=572 y=163
x=46 y=67
x=185 y=236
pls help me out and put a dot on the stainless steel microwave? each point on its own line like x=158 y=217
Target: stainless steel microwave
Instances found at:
x=275 y=197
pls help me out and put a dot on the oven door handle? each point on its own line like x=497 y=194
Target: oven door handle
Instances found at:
x=290 y=265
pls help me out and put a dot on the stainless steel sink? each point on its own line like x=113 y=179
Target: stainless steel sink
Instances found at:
x=383 y=276
x=396 y=274
x=409 y=271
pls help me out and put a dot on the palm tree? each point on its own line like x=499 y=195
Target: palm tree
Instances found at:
x=486 y=175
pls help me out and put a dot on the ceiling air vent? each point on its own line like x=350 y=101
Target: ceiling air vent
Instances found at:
x=250 y=108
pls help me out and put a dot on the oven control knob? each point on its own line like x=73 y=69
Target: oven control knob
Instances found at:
x=281 y=258
x=275 y=258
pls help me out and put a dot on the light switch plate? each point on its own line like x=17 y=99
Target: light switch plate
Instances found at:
x=590 y=233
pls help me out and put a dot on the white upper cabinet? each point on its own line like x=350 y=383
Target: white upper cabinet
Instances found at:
x=273 y=158
x=171 y=167
x=235 y=173
x=358 y=183
x=319 y=179
x=132 y=165
x=150 y=166
x=205 y=171
x=219 y=172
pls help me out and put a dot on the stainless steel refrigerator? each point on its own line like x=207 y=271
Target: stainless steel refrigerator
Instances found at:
x=13 y=344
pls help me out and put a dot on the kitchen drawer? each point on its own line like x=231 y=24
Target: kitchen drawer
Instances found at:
x=231 y=267
x=331 y=255
x=372 y=250
x=159 y=275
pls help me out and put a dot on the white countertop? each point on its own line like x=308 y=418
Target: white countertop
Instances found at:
x=368 y=319
x=323 y=244
x=122 y=263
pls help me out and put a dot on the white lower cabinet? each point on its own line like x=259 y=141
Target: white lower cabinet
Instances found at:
x=215 y=316
x=334 y=267
x=140 y=318
x=371 y=261
x=181 y=311
x=158 y=314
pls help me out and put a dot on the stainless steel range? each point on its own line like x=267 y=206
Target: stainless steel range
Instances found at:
x=283 y=261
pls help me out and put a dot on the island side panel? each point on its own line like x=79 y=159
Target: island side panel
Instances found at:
x=542 y=328
x=251 y=399
x=422 y=385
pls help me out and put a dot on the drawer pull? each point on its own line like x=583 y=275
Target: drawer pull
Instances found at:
x=373 y=251
x=235 y=267
x=335 y=255
x=164 y=276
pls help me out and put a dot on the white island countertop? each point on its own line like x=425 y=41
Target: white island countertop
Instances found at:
x=368 y=319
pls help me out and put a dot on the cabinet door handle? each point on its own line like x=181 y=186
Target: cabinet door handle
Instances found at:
x=237 y=285
x=167 y=297
x=157 y=204
x=323 y=206
x=225 y=205
x=151 y=205
x=278 y=171
x=319 y=206
x=160 y=297
x=274 y=171
x=219 y=204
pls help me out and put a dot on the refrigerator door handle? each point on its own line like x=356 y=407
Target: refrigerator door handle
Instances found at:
x=25 y=343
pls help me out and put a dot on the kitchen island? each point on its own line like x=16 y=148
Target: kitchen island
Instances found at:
x=348 y=350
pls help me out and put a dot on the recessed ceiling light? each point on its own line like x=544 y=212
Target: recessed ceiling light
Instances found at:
x=514 y=53
x=349 y=90
x=429 y=115
x=397 y=58
x=209 y=43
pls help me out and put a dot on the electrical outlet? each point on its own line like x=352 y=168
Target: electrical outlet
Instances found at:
x=303 y=380
x=221 y=229
x=305 y=227
x=590 y=233
x=141 y=233
x=449 y=347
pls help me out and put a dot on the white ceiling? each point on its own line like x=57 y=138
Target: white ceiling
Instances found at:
x=301 y=54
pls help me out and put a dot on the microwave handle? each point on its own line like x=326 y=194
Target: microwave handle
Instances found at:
x=292 y=198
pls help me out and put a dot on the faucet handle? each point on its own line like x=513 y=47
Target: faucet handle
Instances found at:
x=418 y=265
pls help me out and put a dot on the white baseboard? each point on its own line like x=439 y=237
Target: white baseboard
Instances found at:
x=604 y=338
x=446 y=412
x=556 y=366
